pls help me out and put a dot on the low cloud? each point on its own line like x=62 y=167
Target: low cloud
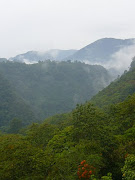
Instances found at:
x=122 y=59
x=118 y=62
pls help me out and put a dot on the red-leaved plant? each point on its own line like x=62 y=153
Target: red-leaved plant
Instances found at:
x=85 y=171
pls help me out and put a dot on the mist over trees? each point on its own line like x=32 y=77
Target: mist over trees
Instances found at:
x=12 y=105
x=93 y=141
x=50 y=88
x=70 y=144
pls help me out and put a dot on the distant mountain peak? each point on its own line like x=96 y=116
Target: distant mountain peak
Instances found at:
x=107 y=52
x=35 y=56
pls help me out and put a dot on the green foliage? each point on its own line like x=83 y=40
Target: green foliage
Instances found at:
x=117 y=91
x=55 y=148
x=40 y=135
x=88 y=121
x=62 y=120
x=67 y=160
x=62 y=140
x=49 y=152
x=129 y=168
x=21 y=160
x=123 y=114
x=108 y=177
x=130 y=134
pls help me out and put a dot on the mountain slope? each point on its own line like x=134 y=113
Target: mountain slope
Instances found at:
x=12 y=106
x=118 y=90
x=51 y=88
x=101 y=50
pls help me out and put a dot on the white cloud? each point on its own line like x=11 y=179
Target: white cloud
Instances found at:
x=122 y=59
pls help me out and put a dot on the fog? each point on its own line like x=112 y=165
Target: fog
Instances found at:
x=121 y=60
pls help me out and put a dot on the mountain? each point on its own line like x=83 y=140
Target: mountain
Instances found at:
x=113 y=54
x=35 y=56
x=12 y=106
x=118 y=90
x=55 y=87
x=88 y=142
x=101 y=50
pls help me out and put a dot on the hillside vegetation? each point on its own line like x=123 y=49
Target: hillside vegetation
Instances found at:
x=104 y=140
x=88 y=143
x=118 y=90
x=12 y=106
x=50 y=87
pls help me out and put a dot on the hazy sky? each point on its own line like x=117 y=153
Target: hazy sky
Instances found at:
x=63 y=24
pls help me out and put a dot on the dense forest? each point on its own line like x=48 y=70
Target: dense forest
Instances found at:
x=12 y=106
x=49 y=88
x=96 y=140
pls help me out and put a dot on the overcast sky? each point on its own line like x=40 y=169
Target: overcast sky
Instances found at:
x=62 y=24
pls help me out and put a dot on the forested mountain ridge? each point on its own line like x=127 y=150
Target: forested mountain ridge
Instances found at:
x=118 y=90
x=50 y=87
